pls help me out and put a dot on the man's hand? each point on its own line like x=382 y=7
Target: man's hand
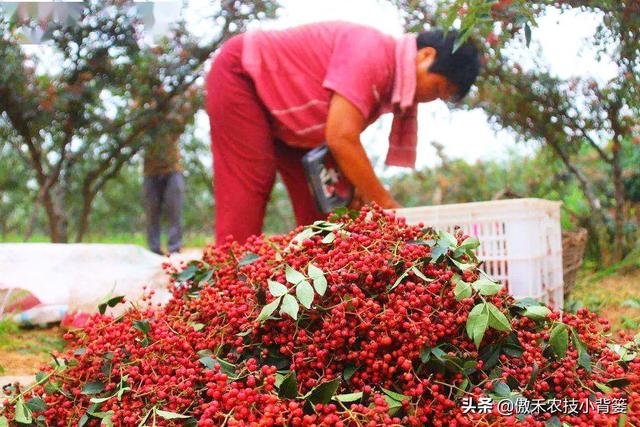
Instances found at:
x=344 y=126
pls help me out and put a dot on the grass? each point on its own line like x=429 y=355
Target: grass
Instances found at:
x=630 y=263
x=189 y=240
x=22 y=351
x=614 y=293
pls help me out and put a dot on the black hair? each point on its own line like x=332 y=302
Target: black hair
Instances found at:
x=461 y=67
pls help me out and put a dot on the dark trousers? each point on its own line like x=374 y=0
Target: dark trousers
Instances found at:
x=164 y=191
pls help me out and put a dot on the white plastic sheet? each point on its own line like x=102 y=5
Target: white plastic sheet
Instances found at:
x=81 y=275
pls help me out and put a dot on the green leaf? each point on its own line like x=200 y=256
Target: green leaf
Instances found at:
x=419 y=274
x=93 y=387
x=277 y=289
x=4 y=422
x=289 y=387
x=584 y=359
x=51 y=388
x=305 y=294
x=101 y=399
x=497 y=319
x=248 y=258
x=462 y=387
x=314 y=271
x=329 y=238
x=227 y=367
x=348 y=372
x=477 y=323
x=319 y=280
x=323 y=392
x=209 y=362
x=144 y=419
x=486 y=287
x=512 y=346
x=394 y=405
x=203 y=275
x=536 y=312
x=619 y=382
x=559 y=339
x=553 y=422
x=395 y=396
x=462 y=37
x=205 y=352
x=41 y=377
x=328 y=226
x=490 y=355
x=105 y=416
x=623 y=351
x=293 y=276
x=470 y=242
x=320 y=284
x=399 y=279
x=142 y=325
x=534 y=375
x=290 y=306
x=526 y=302
x=304 y=234
x=622 y=421
x=460 y=265
x=83 y=420
x=349 y=397
x=279 y=378
x=109 y=301
x=603 y=388
x=501 y=389
x=197 y=326
x=425 y=354
x=170 y=415
x=22 y=414
x=462 y=289
x=527 y=33
x=188 y=273
x=447 y=239
x=268 y=309
x=36 y=404
x=438 y=251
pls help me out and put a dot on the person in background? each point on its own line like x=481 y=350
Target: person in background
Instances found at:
x=274 y=95
x=163 y=191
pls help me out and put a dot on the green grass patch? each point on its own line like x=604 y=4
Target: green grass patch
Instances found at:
x=8 y=330
x=630 y=263
x=29 y=340
x=190 y=240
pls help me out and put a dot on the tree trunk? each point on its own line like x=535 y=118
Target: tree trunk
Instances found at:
x=55 y=234
x=32 y=219
x=597 y=221
x=83 y=226
x=585 y=185
x=618 y=194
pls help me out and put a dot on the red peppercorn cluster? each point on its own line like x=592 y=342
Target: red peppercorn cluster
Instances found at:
x=354 y=321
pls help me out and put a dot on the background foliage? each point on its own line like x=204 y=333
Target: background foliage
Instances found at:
x=71 y=139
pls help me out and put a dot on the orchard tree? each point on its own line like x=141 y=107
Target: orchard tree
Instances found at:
x=580 y=120
x=113 y=94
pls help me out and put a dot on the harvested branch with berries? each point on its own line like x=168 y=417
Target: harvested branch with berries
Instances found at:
x=359 y=320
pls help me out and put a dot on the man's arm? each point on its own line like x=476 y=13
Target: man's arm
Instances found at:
x=344 y=126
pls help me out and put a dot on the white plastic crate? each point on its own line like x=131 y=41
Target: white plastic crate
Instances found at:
x=520 y=241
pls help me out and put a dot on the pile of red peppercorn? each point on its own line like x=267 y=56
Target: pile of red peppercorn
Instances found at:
x=360 y=320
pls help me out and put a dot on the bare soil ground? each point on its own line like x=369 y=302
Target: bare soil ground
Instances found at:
x=24 y=350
